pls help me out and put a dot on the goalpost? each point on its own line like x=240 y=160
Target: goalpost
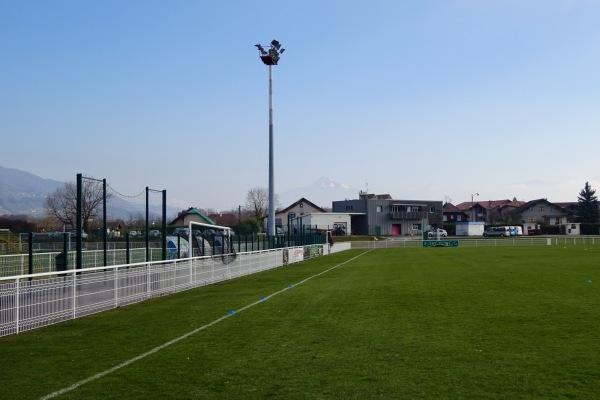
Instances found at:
x=212 y=242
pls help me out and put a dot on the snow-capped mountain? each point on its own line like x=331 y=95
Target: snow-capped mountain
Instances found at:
x=322 y=193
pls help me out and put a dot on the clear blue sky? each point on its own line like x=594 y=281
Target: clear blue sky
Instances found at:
x=419 y=99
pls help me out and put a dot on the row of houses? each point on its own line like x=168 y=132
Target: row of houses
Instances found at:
x=373 y=214
x=539 y=211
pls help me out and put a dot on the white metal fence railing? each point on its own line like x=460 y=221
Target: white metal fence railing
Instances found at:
x=32 y=301
x=482 y=242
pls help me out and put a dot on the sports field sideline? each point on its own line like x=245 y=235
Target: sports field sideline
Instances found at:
x=489 y=323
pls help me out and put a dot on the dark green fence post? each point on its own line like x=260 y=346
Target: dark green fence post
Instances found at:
x=66 y=250
x=127 y=256
x=79 y=222
x=31 y=253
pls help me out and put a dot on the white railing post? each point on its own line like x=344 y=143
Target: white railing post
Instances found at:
x=116 y=287
x=74 y=292
x=17 y=304
x=148 y=281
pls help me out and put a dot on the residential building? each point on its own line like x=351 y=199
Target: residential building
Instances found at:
x=541 y=212
x=451 y=213
x=295 y=210
x=490 y=211
x=381 y=215
x=572 y=208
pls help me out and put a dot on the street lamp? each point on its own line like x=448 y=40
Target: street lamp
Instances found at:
x=270 y=57
x=472 y=214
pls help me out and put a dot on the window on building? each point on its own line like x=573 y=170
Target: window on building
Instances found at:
x=445 y=218
x=291 y=216
x=379 y=209
x=301 y=205
x=416 y=227
x=531 y=219
x=349 y=208
x=459 y=217
x=432 y=209
x=541 y=208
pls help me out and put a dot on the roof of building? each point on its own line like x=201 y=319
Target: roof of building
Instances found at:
x=489 y=204
x=569 y=205
x=533 y=203
x=451 y=208
x=302 y=200
x=224 y=218
x=181 y=215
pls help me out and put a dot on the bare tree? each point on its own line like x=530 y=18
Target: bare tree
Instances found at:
x=62 y=203
x=257 y=202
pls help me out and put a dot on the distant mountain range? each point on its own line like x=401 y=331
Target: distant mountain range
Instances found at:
x=22 y=193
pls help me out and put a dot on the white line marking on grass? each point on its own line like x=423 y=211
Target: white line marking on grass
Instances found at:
x=180 y=338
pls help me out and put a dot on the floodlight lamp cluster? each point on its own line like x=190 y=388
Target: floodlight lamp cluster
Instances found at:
x=271 y=56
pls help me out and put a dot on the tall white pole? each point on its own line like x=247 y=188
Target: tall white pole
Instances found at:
x=271 y=220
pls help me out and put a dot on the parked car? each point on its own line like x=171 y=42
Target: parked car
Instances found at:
x=439 y=231
x=154 y=233
x=495 y=231
x=183 y=232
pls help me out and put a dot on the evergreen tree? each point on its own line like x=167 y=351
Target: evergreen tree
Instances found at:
x=588 y=205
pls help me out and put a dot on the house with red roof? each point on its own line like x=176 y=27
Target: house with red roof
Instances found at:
x=490 y=211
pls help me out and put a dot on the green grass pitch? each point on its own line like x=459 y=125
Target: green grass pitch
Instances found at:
x=458 y=323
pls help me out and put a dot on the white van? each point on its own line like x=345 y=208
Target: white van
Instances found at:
x=516 y=230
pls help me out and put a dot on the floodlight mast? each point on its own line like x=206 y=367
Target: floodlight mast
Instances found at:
x=271 y=57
